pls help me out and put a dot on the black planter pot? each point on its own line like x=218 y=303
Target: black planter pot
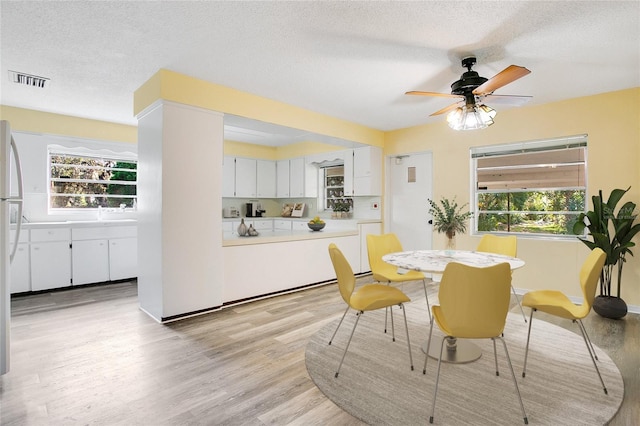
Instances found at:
x=610 y=307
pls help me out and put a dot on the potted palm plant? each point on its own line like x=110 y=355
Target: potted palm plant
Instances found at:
x=612 y=232
x=448 y=218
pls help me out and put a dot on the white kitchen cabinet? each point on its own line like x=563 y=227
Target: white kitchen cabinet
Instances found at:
x=266 y=179
x=367 y=171
x=50 y=254
x=282 y=179
x=20 y=273
x=363 y=171
x=246 y=175
x=123 y=258
x=90 y=261
x=281 y=225
x=299 y=225
x=262 y=224
x=228 y=176
x=297 y=177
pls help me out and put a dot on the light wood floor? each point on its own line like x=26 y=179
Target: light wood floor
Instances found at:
x=90 y=356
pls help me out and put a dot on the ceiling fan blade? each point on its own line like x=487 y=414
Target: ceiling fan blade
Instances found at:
x=509 y=100
x=504 y=77
x=443 y=95
x=446 y=109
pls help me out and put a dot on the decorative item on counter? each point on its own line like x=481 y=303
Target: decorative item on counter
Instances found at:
x=242 y=228
x=252 y=231
x=316 y=224
x=341 y=207
x=286 y=210
x=298 y=210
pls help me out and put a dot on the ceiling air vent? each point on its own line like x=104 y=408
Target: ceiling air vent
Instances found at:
x=27 y=79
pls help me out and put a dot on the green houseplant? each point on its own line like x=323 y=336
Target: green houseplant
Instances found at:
x=448 y=218
x=612 y=232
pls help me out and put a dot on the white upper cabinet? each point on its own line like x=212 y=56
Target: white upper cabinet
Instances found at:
x=246 y=175
x=266 y=179
x=228 y=176
x=297 y=176
x=282 y=179
x=367 y=171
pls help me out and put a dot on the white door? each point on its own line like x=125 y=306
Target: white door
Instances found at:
x=409 y=185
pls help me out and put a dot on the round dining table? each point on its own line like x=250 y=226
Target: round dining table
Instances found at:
x=435 y=261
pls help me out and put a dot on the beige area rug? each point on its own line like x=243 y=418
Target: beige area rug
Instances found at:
x=377 y=386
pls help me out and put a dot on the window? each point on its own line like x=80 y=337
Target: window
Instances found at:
x=81 y=181
x=533 y=187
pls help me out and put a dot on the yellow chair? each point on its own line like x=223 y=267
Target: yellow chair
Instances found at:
x=507 y=246
x=368 y=297
x=474 y=303
x=380 y=245
x=555 y=303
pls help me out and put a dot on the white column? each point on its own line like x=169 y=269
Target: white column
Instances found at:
x=180 y=153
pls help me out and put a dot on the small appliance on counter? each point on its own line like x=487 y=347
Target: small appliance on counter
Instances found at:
x=254 y=209
x=230 y=212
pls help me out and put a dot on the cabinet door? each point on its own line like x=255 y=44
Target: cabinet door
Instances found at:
x=228 y=177
x=123 y=258
x=348 y=173
x=90 y=261
x=297 y=175
x=245 y=177
x=282 y=179
x=367 y=173
x=50 y=265
x=20 y=277
x=266 y=178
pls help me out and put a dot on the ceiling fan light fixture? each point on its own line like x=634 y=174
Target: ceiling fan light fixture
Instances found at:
x=471 y=117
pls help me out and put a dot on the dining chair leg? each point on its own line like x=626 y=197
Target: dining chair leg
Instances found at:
x=426 y=296
x=435 y=392
x=339 y=324
x=495 y=355
x=513 y=375
x=519 y=304
x=393 y=328
x=349 y=342
x=406 y=327
x=586 y=342
x=426 y=357
x=526 y=350
x=593 y=351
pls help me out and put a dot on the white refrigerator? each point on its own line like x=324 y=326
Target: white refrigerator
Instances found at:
x=10 y=206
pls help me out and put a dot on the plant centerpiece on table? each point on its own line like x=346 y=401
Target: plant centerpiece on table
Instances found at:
x=448 y=218
x=341 y=207
x=612 y=232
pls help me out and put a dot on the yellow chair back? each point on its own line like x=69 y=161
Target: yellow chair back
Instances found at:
x=344 y=273
x=589 y=276
x=473 y=301
x=507 y=245
x=378 y=246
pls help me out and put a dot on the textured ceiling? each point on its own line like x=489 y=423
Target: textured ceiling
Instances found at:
x=352 y=60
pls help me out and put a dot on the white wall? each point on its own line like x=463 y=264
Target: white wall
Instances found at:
x=33 y=151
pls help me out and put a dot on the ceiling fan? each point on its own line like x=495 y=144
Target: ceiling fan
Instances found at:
x=472 y=89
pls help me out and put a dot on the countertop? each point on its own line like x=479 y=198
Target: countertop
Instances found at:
x=268 y=237
x=77 y=224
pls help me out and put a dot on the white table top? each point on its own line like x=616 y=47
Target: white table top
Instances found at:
x=436 y=260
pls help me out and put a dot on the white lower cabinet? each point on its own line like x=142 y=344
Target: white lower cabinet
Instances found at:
x=20 y=273
x=123 y=258
x=90 y=261
x=50 y=253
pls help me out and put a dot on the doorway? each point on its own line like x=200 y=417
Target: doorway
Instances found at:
x=409 y=184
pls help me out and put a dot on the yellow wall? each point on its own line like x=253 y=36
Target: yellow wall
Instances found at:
x=43 y=122
x=241 y=149
x=611 y=121
x=172 y=86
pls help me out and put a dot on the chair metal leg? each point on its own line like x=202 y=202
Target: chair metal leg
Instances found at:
x=513 y=375
x=526 y=351
x=426 y=296
x=426 y=354
x=349 y=342
x=435 y=392
x=406 y=327
x=495 y=355
x=393 y=328
x=519 y=304
x=339 y=324
x=593 y=351
x=587 y=342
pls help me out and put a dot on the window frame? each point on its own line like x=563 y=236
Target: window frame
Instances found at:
x=542 y=145
x=105 y=155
